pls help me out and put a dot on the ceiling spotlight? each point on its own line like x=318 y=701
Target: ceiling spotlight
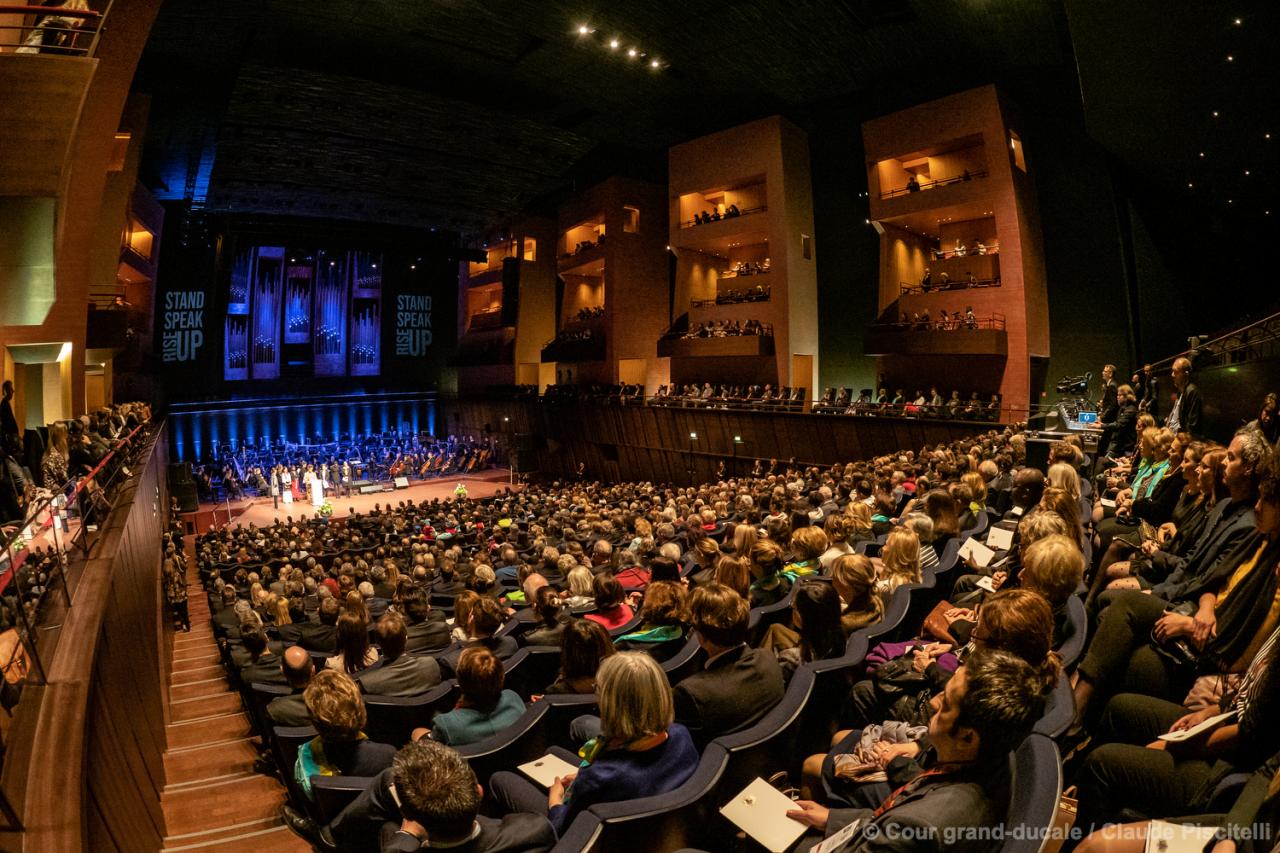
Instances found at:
x=1202 y=154
x=1230 y=58
x=654 y=64
x=1190 y=185
x=631 y=52
x=613 y=44
x=1266 y=136
x=1246 y=171
x=1215 y=113
x=413 y=266
x=584 y=30
x=1228 y=201
x=1238 y=22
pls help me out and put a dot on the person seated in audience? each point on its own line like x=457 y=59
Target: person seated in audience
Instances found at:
x=354 y=651
x=426 y=630
x=854 y=579
x=483 y=622
x=898 y=563
x=1152 y=560
x=738 y=685
x=484 y=708
x=551 y=619
x=580 y=592
x=986 y=709
x=463 y=604
x=429 y=798
x=816 y=630
x=770 y=583
x=807 y=546
x=298 y=671
x=264 y=664
x=612 y=610
x=583 y=646
x=1133 y=769
x=663 y=622
x=1207 y=612
x=733 y=572
x=640 y=750
x=397 y=673
x=340 y=748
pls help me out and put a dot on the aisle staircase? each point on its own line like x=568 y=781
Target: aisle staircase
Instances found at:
x=213 y=800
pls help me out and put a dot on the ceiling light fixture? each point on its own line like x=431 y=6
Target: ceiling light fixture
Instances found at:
x=1215 y=113
x=631 y=53
x=654 y=64
x=1238 y=21
x=613 y=44
x=584 y=30
x=1230 y=58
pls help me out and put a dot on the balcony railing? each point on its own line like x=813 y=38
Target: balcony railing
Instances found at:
x=54 y=30
x=905 y=287
x=955 y=323
x=720 y=217
x=966 y=175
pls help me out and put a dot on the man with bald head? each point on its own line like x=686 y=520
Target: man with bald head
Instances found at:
x=1028 y=488
x=1186 y=412
x=298 y=669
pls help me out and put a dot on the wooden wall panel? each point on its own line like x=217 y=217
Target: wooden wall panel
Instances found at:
x=653 y=443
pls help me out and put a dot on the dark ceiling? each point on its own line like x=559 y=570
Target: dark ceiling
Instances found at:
x=459 y=114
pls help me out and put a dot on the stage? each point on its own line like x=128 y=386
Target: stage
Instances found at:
x=260 y=512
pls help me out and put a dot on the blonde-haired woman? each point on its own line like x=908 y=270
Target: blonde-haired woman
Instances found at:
x=638 y=750
x=899 y=562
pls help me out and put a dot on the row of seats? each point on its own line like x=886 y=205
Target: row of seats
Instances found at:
x=800 y=725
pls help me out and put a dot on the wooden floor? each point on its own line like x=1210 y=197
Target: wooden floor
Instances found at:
x=213 y=801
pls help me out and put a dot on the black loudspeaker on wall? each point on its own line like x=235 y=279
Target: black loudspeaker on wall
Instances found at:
x=185 y=494
x=524 y=461
x=510 y=290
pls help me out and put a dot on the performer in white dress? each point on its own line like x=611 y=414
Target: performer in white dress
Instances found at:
x=286 y=487
x=315 y=488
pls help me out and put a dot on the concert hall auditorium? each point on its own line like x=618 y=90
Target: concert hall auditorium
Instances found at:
x=734 y=426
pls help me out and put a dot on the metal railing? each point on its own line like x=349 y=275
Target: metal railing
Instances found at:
x=939 y=182
x=54 y=30
x=1260 y=339
x=906 y=287
x=89 y=498
x=953 y=324
x=721 y=217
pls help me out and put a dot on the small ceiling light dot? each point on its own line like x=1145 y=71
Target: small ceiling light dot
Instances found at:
x=1228 y=201
x=1239 y=21
x=613 y=44
x=583 y=29
x=1190 y=185
x=632 y=53
x=1201 y=153
x=1266 y=136
x=654 y=64
x=1215 y=113
x=1230 y=58
x=413 y=266
x=1246 y=171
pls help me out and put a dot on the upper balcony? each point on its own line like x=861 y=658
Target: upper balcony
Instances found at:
x=581 y=244
x=928 y=178
x=984 y=336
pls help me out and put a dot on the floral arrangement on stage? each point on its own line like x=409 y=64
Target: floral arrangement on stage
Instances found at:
x=460 y=491
x=325 y=510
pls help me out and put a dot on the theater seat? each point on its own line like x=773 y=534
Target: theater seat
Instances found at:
x=393 y=718
x=531 y=669
x=521 y=742
x=771 y=744
x=1075 y=634
x=1059 y=711
x=687 y=815
x=332 y=794
x=685 y=663
x=1036 y=786
x=919 y=604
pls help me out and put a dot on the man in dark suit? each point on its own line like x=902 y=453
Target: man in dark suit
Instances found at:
x=319 y=636
x=1150 y=402
x=427 y=630
x=1108 y=407
x=291 y=710
x=987 y=708
x=227 y=617
x=264 y=663
x=738 y=685
x=436 y=796
x=9 y=432
x=1185 y=416
x=396 y=673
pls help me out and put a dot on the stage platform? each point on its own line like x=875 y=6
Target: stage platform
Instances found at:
x=259 y=511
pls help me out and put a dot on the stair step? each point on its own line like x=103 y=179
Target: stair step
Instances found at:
x=203 y=706
x=217 y=806
x=193 y=658
x=197 y=689
x=197 y=732
x=193 y=641
x=209 y=761
x=199 y=673
x=275 y=839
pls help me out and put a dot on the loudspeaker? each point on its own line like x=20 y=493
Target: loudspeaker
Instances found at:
x=185 y=493
x=510 y=290
x=523 y=441
x=370 y=489
x=402 y=482
x=524 y=461
x=179 y=472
